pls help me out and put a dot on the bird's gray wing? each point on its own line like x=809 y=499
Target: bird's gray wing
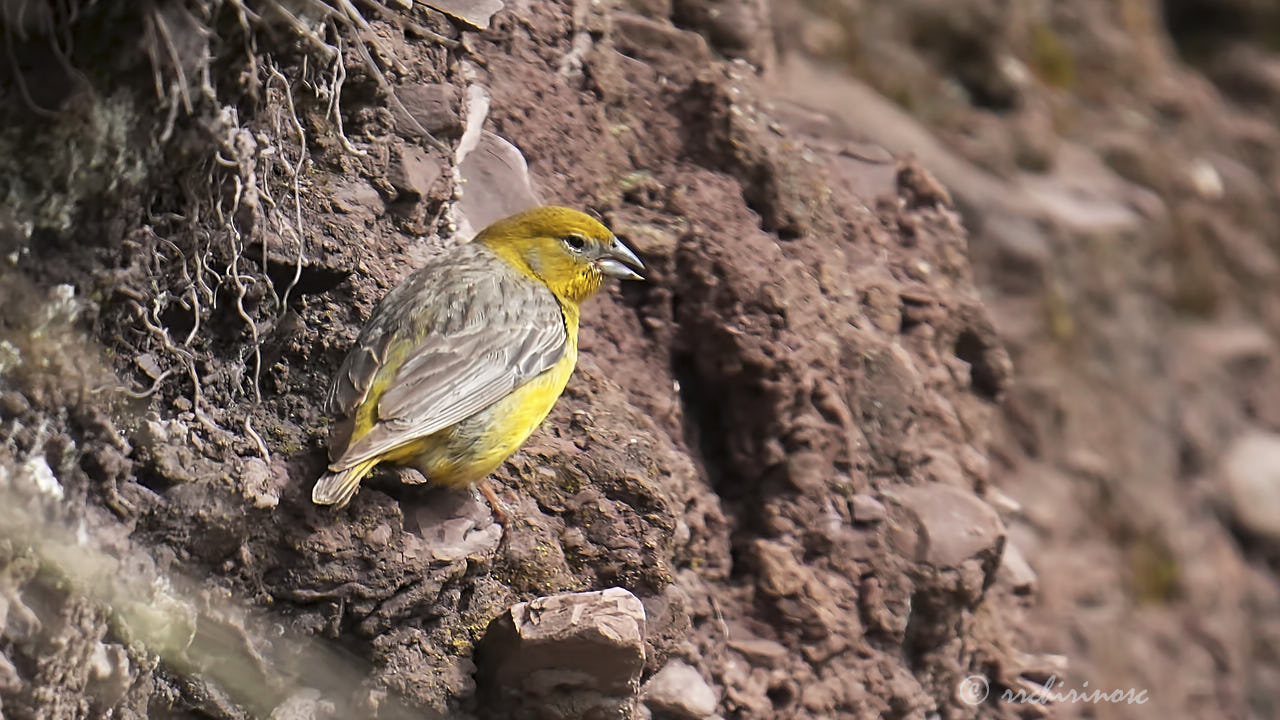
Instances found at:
x=352 y=384
x=490 y=336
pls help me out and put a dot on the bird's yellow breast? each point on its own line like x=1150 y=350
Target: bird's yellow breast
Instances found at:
x=469 y=451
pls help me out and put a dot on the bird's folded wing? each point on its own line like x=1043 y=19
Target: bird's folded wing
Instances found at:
x=454 y=374
x=350 y=388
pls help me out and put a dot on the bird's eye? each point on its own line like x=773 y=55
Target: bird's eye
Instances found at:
x=576 y=243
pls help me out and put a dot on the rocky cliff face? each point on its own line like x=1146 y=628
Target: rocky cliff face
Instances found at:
x=797 y=474
x=1115 y=165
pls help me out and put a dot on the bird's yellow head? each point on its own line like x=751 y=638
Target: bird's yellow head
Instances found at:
x=569 y=251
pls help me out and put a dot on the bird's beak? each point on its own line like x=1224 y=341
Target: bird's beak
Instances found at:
x=618 y=261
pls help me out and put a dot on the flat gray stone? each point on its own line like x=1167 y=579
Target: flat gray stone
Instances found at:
x=1015 y=571
x=953 y=525
x=495 y=184
x=1251 y=474
x=413 y=171
x=866 y=509
x=679 y=690
x=589 y=642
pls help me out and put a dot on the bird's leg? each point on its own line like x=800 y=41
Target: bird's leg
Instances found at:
x=499 y=508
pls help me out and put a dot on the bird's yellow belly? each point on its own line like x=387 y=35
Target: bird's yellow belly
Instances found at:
x=466 y=453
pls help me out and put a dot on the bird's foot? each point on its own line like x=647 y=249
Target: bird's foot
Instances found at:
x=500 y=512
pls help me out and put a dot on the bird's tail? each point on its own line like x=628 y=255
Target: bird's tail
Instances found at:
x=337 y=488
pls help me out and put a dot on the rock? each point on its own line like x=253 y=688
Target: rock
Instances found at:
x=1205 y=179
x=657 y=42
x=148 y=364
x=1016 y=572
x=952 y=525
x=358 y=198
x=456 y=526
x=1251 y=473
x=18 y=622
x=1083 y=195
x=1234 y=347
x=1039 y=667
x=305 y=704
x=649 y=240
x=36 y=471
x=1002 y=502
x=921 y=188
x=781 y=574
x=1130 y=155
x=942 y=467
x=760 y=651
x=679 y=690
x=109 y=672
x=261 y=484
x=496 y=184
x=10 y=680
x=434 y=108
x=413 y=172
x=175 y=464
x=475 y=14
x=163 y=446
x=476 y=103
x=866 y=509
x=13 y=404
x=1085 y=462
x=567 y=656
x=154 y=432
x=869 y=171
x=737 y=28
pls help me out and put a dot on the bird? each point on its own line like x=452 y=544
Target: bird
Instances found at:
x=460 y=363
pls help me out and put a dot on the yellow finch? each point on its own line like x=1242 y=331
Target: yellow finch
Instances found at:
x=461 y=362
